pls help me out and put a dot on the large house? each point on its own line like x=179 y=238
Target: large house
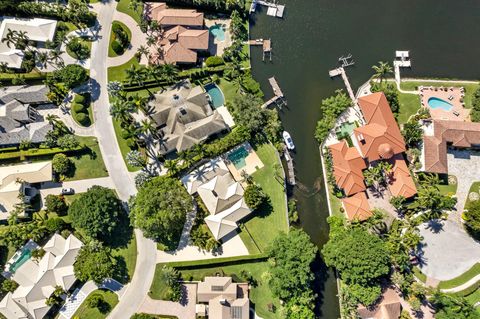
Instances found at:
x=37 y=279
x=19 y=117
x=183 y=34
x=221 y=194
x=439 y=135
x=220 y=298
x=388 y=308
x=16 y=179
x=36 y=29
x=379 y=139
x=184 y=117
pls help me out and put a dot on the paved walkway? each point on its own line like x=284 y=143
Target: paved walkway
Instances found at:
x=138 y=38
x=185 y=309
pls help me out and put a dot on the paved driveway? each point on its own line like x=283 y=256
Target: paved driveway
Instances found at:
x=449 y=250
x=185 y=309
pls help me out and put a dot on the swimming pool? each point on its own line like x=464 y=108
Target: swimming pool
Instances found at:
x=217 y=32
x=237 y=157
x=436 y=103
x=24 y=256
x=215 y=94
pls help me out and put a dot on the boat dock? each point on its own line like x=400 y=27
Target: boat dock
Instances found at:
x=273 y=9
x=290 y=169
x=267 y=47
x=346 y=61
x=402 y=60
x=278 y=97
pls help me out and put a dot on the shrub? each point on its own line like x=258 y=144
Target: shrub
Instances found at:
x=79 y=99
x=61 y=163
x=9 y=285
x=68 y=141
x=94 y=300
x=254 y=196
x=78 y=108
x=117 y=48
x=214 y=61
x=78 y=48
x=56 y=204
x=72 y=75
x=55 y=224
x=83 y=119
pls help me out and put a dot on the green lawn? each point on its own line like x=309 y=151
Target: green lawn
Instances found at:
x=129 y=256
x=409 y=105
x=470 y=88
x=88 y=164
x=268 y=222
x=117 y=73
x=111 y=52
x=460 y=280
x=473 y=298
x=85 y=312
x=123 y=6
x=474 y=188
x=419 y=274
x=84 y=41
x=448 y=189
x=260 y=294
x=229 y=89
x=122 y=143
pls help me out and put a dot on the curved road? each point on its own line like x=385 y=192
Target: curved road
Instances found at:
x=146 y=249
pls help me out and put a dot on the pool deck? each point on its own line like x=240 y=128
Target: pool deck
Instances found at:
x=452 y=95
x=216 y=47
x=30 y=245
x=252 y=162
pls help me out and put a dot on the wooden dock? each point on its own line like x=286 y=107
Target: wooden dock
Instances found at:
x=341 y=71
x=266 y=45
x=290 y=169
x=278 y=97
x=402 y=60
x=273 y=9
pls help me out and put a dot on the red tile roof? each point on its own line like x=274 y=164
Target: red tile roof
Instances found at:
x=169 y=17
x=381 y=129
x=459 y=134
x=357 y=207
x=400 y=182
x=347 y=168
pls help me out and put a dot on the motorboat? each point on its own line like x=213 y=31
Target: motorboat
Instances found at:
x=288 y=140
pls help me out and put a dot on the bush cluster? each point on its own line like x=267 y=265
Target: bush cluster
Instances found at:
x=80 y=106
x=120 y=38
x=214 y=61
x=78 y=49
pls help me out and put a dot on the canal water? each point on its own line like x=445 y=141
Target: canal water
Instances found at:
x=442 y=36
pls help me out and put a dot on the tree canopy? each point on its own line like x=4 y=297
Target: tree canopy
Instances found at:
x=331 y=108
x=96 y=212
x=94 y=262
x=160 y=208
x=254 y=196
x=472 y=216
x=450 y=306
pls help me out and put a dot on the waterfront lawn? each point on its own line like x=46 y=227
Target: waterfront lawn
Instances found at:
x=266 y=223
x=88 y=164
x=123 y=6
x=229 y=89
x=84 y=311
x=260 y=293
x=335 y=203
x=409 y=105
x=470 y=88
x=460 y=280
x=117 y=73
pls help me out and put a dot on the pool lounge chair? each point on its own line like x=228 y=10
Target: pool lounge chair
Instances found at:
x=456 y=113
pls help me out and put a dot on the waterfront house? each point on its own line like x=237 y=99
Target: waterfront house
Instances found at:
x=378 y=140
x=36 y=29
x=388 y=308
x=184 y=117
x=37 y=280
x=221 y=298
x=183 y=34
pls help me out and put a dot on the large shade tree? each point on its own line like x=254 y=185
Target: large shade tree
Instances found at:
x=94 y=262
x=160 y=209
x=96 y=213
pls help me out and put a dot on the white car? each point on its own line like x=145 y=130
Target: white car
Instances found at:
x=288 y=140
x=68 y=191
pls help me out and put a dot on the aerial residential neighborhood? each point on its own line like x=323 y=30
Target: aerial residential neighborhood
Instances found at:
x=236 y=159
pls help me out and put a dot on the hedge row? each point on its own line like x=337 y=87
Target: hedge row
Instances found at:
x=34 y=152
x=468 y=291
x=207 y=263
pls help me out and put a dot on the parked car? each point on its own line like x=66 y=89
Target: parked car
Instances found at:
x=68 y=191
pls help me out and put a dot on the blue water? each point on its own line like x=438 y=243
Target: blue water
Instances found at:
x=237 y=157
x=436 y=103
x=26 y=254
x=218 y=32
x=215 y=94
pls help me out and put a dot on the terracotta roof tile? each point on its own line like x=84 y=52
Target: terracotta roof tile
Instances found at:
x=401 y=182
x=357 y=207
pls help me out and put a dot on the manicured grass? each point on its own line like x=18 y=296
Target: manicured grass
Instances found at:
x=33 y=77
x=460 y=280
x=470 y=88
x=88 y=164
x=474 y=297
x=474 y=188
x=335 y=203
x=123 y=6
x=84 y=312
x=260 y=294
x=448 y=189
x=129 y=256
x=229 y=89
x=122 y=143
x=419 y=274
x=83 y=41
x=117 y=73
x=111 y=52
x=409 y=105
x=266 y=223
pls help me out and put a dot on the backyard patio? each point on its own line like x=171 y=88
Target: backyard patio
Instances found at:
x=445 y=103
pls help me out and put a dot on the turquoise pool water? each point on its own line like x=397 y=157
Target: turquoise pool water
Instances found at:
x=25 y=255
x=436 y=103
x=237 y=157
x=218 y=32
x=216 y=95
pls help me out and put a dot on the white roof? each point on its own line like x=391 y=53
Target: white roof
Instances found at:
x=36 y=29
x=402 y=54
x=37 y=280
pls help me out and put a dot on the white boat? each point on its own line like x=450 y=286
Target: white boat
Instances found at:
x=288 y=140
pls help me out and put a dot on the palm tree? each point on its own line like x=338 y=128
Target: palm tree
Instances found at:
x=42 y=59
x=10 y=37
x=3 y=67
x=171 y=166
x=120 y=111
x=52 y=119
x=134 y=5
x=135 y=75
x=382 y=70
x=55 y=57
x=170 y=72
x=143 y=51
x=155 y=72
x=151 y=40
x=147 y=126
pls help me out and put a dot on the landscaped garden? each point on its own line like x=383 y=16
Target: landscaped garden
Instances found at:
x=97 y=305
x=133 y=8
x=89 y=163
x=79 y=48
x=82 y=111
x=120 y=38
